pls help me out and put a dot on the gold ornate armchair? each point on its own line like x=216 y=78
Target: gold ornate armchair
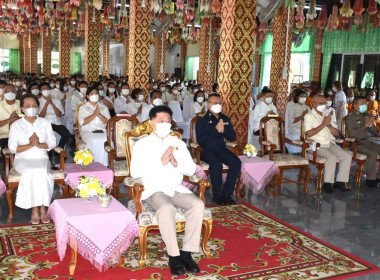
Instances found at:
x=196 y=150
x=144 y=213
x=115 y=147
x=79 y=143
x=272 y=141
x=12 y=177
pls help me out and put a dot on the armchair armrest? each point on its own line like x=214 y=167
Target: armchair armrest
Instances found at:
x=375 y=138
x=351 y=140
x=7 y=155
x=62 y=155
x=202 y=185
x=271 y=147
x=231 y=144
x=136 y=191
x=339 y=141
x=194 y=145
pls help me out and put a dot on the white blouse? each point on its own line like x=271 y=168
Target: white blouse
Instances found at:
x=120 y=104
x=77 y=100
x=261 y=110
x=196 y=108
x=133 y=107
x=50 y=113
x=295 y=111
x=96 y=124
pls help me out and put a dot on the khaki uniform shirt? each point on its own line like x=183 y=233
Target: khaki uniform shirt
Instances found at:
x=355 y=126
x=6 y=111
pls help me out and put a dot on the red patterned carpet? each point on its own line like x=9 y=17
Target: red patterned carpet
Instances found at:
x=245 y=243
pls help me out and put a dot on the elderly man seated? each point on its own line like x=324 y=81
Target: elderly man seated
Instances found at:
x=361 y=125
x=161 y=161
x=321 y=128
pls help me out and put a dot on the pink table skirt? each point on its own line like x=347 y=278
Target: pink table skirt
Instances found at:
x=257 y=172
x=96 y=169
x=3 y=187
x=101 y=235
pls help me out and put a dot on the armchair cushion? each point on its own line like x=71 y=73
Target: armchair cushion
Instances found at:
x=206 y=166
x=120 y=168
x=14 y=176
x=359 y=156
x=286 y=160
x=148 y=217
x=309 y=156
x=121 y=127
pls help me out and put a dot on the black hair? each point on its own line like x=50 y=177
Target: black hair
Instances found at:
x=108 y=89
x=29 y=95
x=266 y=90
x=213 y=95
x=196 y=95
x=124 y=84
x=62 y=85
x=2 y=82
x=154 y=91
x=214 y=87
x=159 y=109
x=89 y=91
x=357 y=98
x=326 y=95
x=32 y=85
x=81 y=83
x=44 y=84
x=135 y=92
x=297 y=93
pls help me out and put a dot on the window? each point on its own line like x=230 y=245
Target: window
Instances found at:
x=4 y=60
x=299 y=68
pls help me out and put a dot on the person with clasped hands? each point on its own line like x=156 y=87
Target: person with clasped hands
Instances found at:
x=360 y=125
x=29 y=139
x=211 y=131
x=161 y=160
x=320 y=127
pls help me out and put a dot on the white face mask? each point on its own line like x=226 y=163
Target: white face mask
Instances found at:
x=73 y=83
x=24 y=86
x=163 y=129
x=140 y=98
x=1 y=90
x=200 y=99
x=125 y=91
x=372 y=97
x=321 y=108
x=162 y=88
x=94 y=98
x=18 y=84
x=35 y=91
x=351 y=98
x=328 y=103
x=175 y=91
x=302 y=100
x=65 y=88
x=269 y=100
x=57 y=86
x=31 y=112
x=10 y=96
x=307 y=93
x=46 y=93
x=83 y=90
x=111 y=90
x=52 y=85
x=334 y=89
x=154 y=87
x=217 y=108
x=330 y=93
x=157 y=102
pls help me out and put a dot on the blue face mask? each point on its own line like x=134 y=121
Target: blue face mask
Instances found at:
x=101 y=92
x=363 y=108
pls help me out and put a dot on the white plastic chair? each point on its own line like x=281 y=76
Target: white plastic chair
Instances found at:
x=186 y=109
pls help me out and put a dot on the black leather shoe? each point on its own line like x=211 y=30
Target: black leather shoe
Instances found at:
x=229 y=199
x=220 y=200
x=176 y=265
x=328 y=187
x=190 y=265
x=342 y=186
x=370 y=183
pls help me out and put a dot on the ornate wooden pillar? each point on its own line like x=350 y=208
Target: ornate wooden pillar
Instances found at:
x=46 y=52
x=207 y=62
x=278 y=84
x=64 y=50
x=183 y=57
x=160 y=57
x=92 y=44
x=317 y=66
x=139 y=44
x=106 y=57
x=33 y=52
x=126 y=55
x=27 y=54
x=22 y=54
x=235 y=64
x=258 y=66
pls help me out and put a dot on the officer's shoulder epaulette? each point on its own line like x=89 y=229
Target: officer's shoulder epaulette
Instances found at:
x=349 y=114
x=203 y=115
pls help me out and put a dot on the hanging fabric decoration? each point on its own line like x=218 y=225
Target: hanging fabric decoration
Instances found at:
x=98 y=4
x=358 y=7
x=372 y=7
x=180 y=4
x=216 y=7
x=376 y=20
x=329 y=27
x=322 y=20
x=335 y=18
x=312 y=13
x=346 y=12
x=358 y=20
x=156 y=6
x=290 y=3
x=75 y=3
x=204 y=6
x=300 y=18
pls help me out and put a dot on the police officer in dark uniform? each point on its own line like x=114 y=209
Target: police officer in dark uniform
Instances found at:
x=360 y=126
x=212 y=129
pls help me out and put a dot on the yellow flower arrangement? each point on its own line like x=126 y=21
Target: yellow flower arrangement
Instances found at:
x=89 y=187
x=250 y=150
x=83 y=157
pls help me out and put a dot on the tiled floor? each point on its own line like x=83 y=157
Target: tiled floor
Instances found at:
x=347 y=220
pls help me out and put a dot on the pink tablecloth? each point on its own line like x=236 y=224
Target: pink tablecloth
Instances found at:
x=257 y=172
x=96 y=169
x=101 y=234
x=3 y=187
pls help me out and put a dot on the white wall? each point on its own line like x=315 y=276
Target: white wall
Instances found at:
x=8 y=41
x=193 y=49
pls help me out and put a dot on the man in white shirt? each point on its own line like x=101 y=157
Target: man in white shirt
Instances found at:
x=161 y=161
x=262 y=109
x=156 y=99
x=320 y=128
x=52 y=110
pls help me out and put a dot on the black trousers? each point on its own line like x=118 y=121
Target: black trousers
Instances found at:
x=63 y=132
x=216 y=159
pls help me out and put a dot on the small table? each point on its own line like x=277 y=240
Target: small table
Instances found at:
x=96 y=169
x=256 y=172
x=3 y=187
x=100 y=235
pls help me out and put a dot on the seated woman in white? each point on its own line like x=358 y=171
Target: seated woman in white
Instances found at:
x=122 y=100
x=79 y=95
x=34 y=89
x=93 y=118
x=137 y=104
x=297 y=112
x=329 y=107
x=30 y=138
x=199 y=106
x=108 y=99
x=176 y=93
